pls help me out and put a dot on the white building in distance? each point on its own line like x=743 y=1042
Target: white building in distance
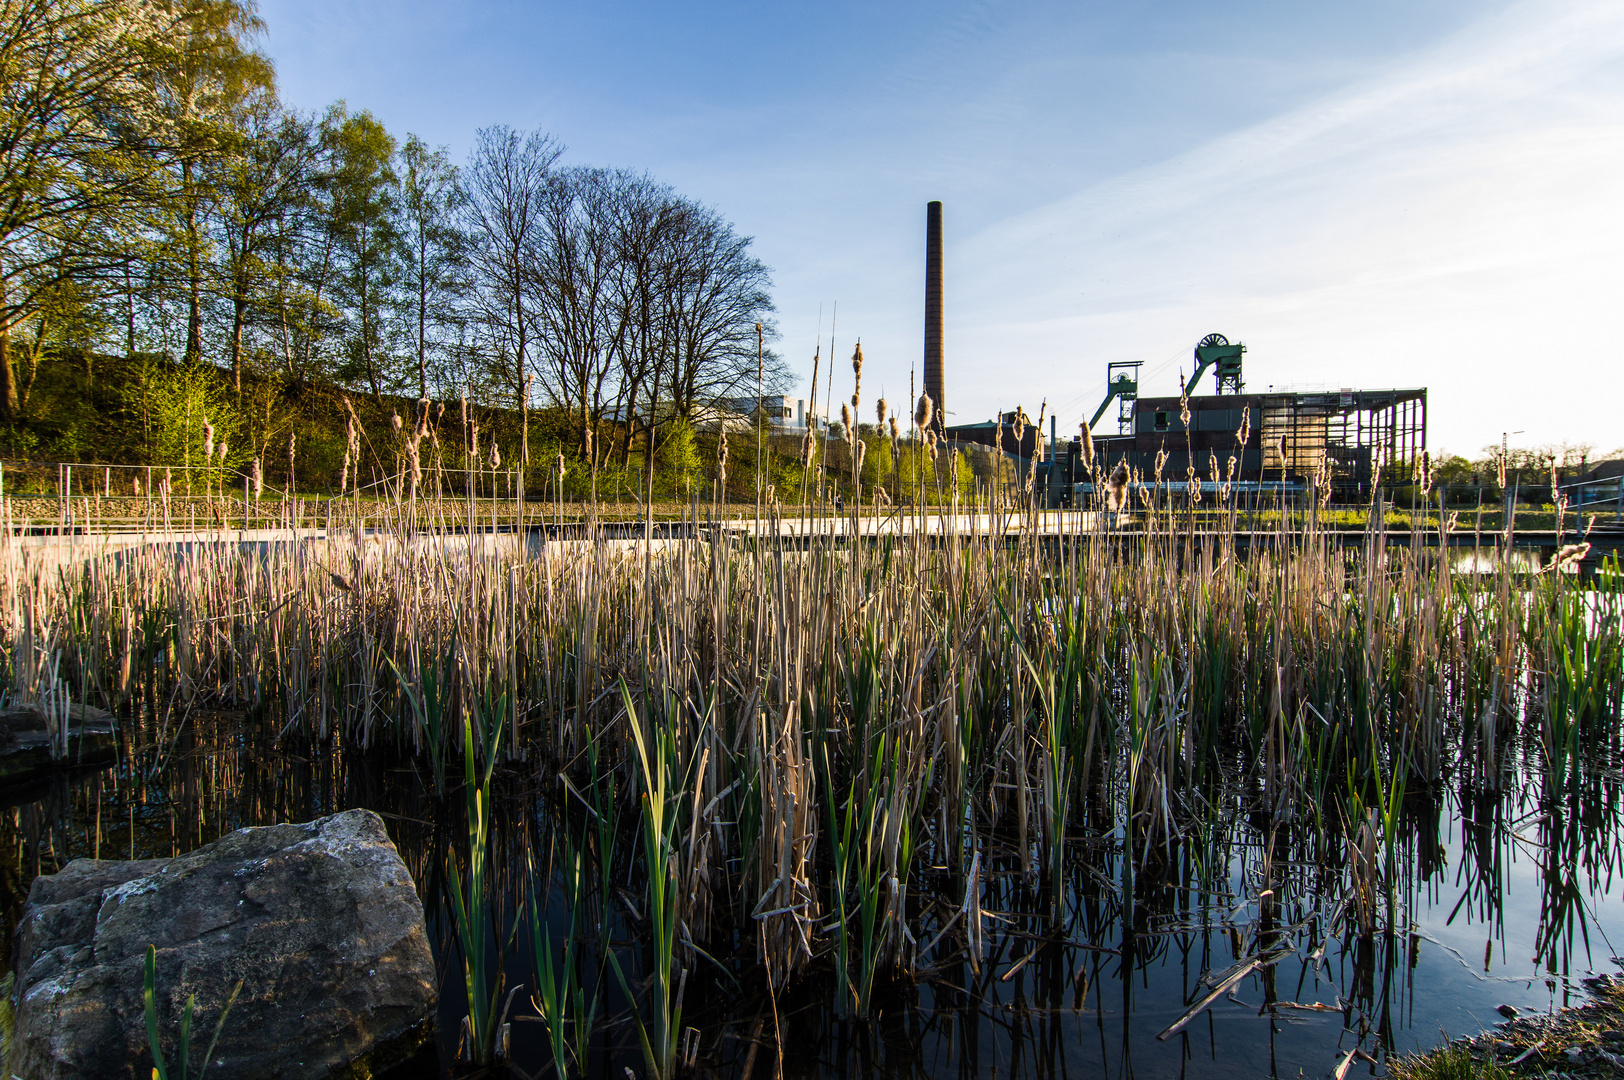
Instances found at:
x=786 y=413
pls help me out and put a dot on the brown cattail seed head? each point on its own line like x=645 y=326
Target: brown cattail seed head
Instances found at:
x=1116 y=495
x=208 y=438
x=222 y=451
x=1088 y=448
x=896 y=432
x=845 y=419
x=256 y=473
x=923 y=412
x=879 y=412
x=721 y=450
x=496 y=456
x=394 y=422
x=135 y=486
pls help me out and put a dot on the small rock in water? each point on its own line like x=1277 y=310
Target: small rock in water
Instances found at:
x=1576 y=1054
x=1508 y=1011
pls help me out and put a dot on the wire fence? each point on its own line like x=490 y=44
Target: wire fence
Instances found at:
x=74 y=497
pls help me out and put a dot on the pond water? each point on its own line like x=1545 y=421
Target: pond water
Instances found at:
x=1509 y=897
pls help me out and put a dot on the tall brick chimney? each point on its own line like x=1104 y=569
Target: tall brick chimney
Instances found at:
x=935 y=377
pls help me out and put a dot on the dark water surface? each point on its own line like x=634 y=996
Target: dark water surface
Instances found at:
x=1510 y=898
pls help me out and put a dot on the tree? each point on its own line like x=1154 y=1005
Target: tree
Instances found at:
x=713 y=294
x=581 y=323
x=507 y=181
x=261 y=181
x=433 y=263
x=207 y=72
x=80 y=131
x=362 y=198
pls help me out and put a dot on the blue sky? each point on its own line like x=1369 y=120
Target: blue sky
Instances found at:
x=1374 y=194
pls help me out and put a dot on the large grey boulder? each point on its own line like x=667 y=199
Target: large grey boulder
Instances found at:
x=320 y=922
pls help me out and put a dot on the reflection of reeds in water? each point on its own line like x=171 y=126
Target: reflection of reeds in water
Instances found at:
x=826 y=728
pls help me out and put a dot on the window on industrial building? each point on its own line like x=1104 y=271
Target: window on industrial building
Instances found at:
x=1161 y=421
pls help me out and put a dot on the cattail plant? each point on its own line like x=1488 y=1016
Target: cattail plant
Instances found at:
x=923 y=412
x=256 y=477
x=352 y=447
x=1117 y=487
x=721 y=463
x=857 y=376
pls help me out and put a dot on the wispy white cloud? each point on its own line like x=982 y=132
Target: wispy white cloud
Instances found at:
x=1452 y=220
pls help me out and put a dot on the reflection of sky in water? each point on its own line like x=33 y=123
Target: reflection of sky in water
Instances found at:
x=1435 y=986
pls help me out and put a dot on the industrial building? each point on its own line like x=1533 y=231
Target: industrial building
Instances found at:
x=1281 y=440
